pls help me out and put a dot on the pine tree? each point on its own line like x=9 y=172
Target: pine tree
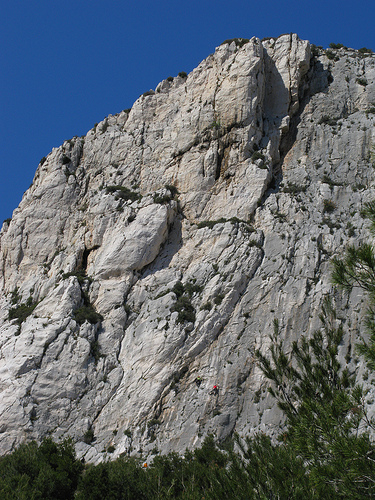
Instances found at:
x=357 y=268
x=326 y=442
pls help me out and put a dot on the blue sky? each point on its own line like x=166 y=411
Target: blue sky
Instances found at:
x=65 y=65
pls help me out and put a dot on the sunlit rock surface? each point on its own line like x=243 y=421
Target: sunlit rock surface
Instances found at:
x=180 y=229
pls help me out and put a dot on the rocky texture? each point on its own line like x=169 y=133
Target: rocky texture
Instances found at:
x=179 y=230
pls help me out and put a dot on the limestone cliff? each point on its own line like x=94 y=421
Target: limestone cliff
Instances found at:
x=162 y=245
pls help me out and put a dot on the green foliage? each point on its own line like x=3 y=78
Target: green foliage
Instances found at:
x=123 y=478
x=207 y=306
x=153 y=422
x=257 y=155
x=218 y=299
x=21 y=311
x=80 y=274
x=192 y=288
x=364 y=50
x=325 y=412
x=185 y=309
x=183 y=305
x=123 y=193
x=331 y=55
x=161 y=199
x=7 y=221
x=182 y=74
x=95 y=350
x=178 y=289
x=315 y=51
x=357 y=268
x=173 y=190
x=170 y=79
x=48 y=472
x=362 y=81
x=294 y=189
x=88 y=437
x=15 y=297
x=166 y=198
x=42 y=161
x=327 y=180
x=240 y=42
x=336 y=45
x=211 y=223
x=234 y=220
x=87 y=313
x=328 y=206
x=271 y=471
x=327 y=120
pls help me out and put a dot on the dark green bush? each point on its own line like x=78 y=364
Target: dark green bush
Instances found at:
x=42 y=160
x=328 y=206
x=87 y=313
x=80 y=274
x=294 y=188
x=257 y=155
x=161 y=199
x=192 y=288
x=173 y=190
x=336 y=45
x=185 y=309
x=21 y=312
x=218 y=299
x=207 y=306
x=170 y=79
x=95 y=350
x=210 y=223
x=178 y=289
x=362 y=81
x=364 y=50
x=123 y=479
x=331 y=55
x=48 y=472
x=240 y=42
x=123 y=192
x=88 y=437
x=182 y=74
x=327 y=120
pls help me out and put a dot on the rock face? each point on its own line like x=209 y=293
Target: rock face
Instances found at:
x=161 y=247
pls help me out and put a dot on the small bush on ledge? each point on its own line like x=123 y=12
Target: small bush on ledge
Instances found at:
x=87 y=313
x=123 y=192
x=21 y=312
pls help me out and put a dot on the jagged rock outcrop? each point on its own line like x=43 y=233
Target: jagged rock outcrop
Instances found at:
x=162 y=245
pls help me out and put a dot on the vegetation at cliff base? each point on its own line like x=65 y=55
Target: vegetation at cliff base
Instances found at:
x=47 y=472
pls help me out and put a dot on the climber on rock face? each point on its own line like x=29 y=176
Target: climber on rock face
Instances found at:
x=198 y=381
x=215 y=390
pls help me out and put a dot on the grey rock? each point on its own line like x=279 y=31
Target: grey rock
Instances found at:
x=188 y=283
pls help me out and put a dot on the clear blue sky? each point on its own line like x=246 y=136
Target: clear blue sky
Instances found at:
x=65 y=65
